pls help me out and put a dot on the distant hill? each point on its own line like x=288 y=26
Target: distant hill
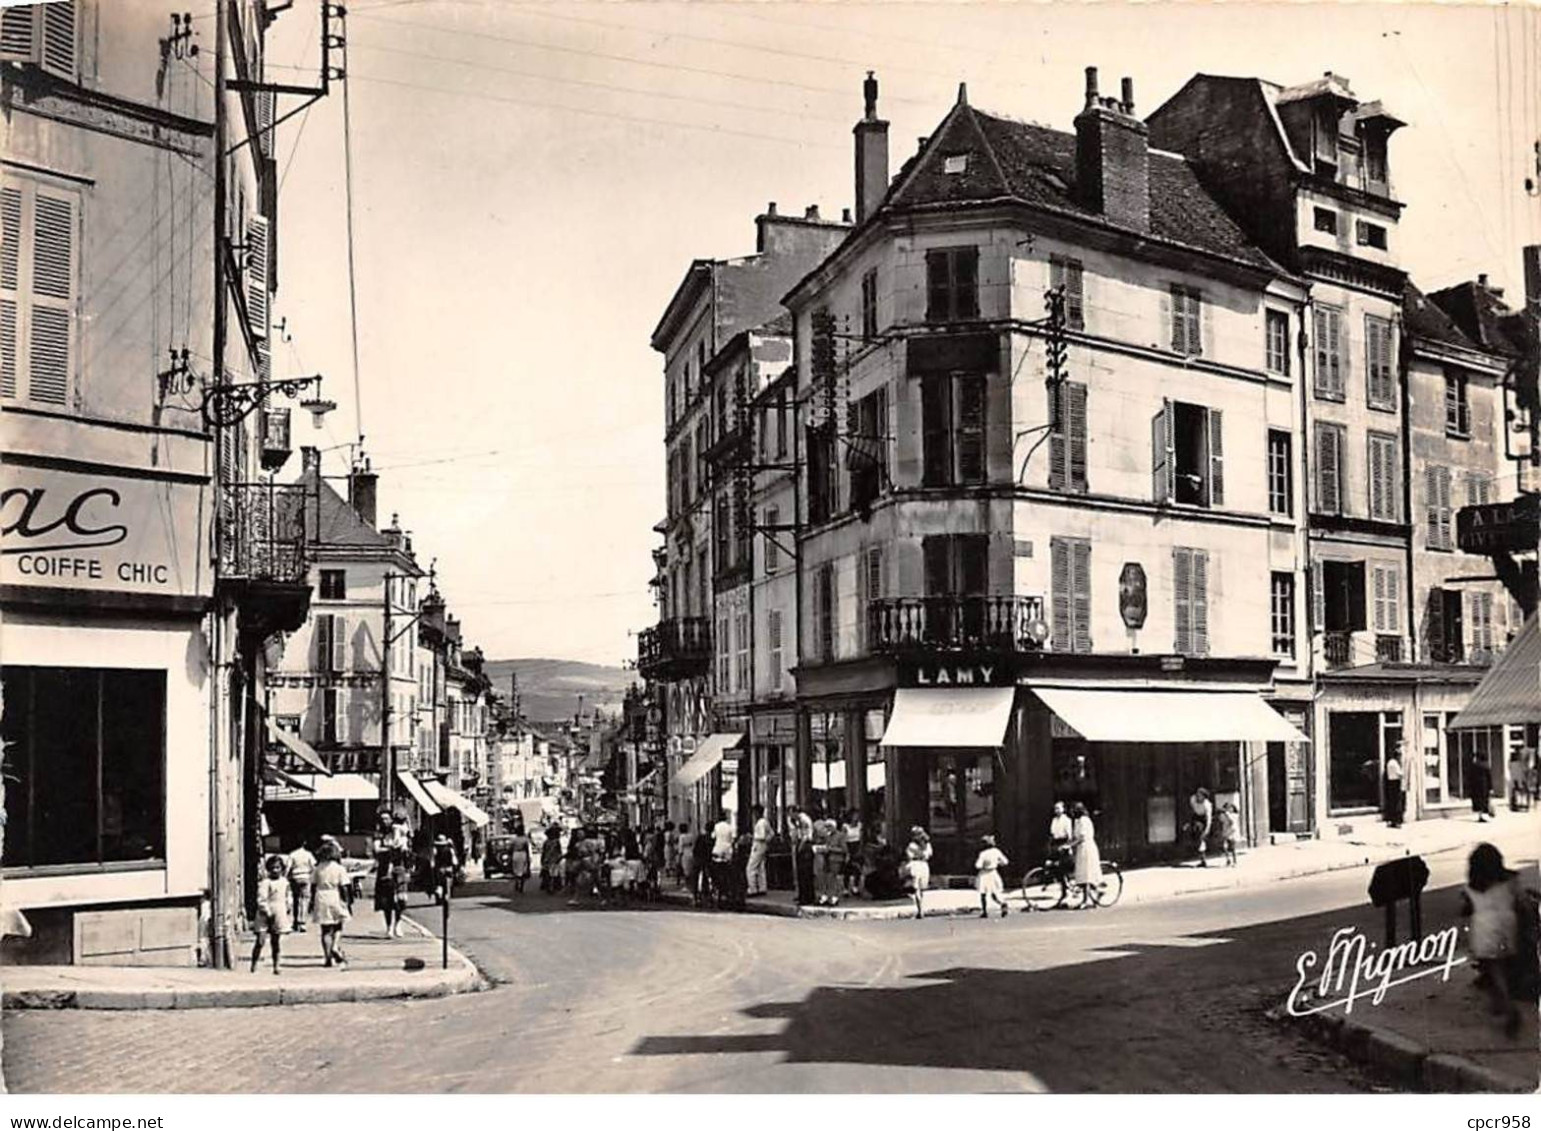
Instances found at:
x=549 y=689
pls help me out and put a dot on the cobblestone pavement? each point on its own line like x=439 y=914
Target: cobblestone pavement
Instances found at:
x=1165 y=997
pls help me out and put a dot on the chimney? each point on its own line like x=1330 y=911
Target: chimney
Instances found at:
x=363 y=486
x=812 y=212
x=310 y=459
x=845 y=215
x=871 y=153
x=1112 y=157
x=1532 y=258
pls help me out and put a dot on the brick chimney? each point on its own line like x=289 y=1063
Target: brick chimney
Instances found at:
x=1112 y=157
x=363 y=486
x=871 y=153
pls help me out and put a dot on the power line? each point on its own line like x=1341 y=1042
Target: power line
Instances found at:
x=347 y=156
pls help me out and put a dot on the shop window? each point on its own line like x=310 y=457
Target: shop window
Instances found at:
x=84 y=760
x=1354 y=759
x=961 y=794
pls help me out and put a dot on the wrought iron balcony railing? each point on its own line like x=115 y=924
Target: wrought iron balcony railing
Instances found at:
x=1338 y=649
x=1005 y=624
x=677 y=648
x=262 y=532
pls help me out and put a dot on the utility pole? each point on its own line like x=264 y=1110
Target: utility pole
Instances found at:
x=387 y=761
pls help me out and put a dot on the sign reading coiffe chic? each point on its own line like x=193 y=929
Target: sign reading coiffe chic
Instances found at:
x=84 y=530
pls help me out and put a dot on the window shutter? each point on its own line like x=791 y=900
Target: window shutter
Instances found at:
x=938 y=285
x=1436 y=632
x=58 y=53
x=1200 y=607
x=874 y=573
x=1076 y=439
x=1322 y=379
x=1393 y=601
x=1059 y=429
x=1328 y=471
x=1082 y=601
x=936 y=431
x=1203 y=328
x=51 y=328
x=339 y=644
x=1182 y=592
x=1163 y=463
x=1060 y=594
x=1355 y=586
x=1318 y=598
x=1075 y=296
x=966 y=282
x=971 y=429
x=323 y=643
x=1169 y=318
x=18 y=33
x=1431 y=505
x=264 y=100
x=1216 y=461
x=257 y=275
x=1379 y=582
x=10 y=283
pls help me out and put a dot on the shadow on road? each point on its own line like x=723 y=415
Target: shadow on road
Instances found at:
x=499 y=895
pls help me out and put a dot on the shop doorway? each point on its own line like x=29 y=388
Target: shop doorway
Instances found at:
x=1354 y=759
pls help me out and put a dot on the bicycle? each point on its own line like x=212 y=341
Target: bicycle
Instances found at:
x=1108 y=892
x=1050 y=886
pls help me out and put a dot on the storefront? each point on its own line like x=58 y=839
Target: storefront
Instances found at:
x=106 y=686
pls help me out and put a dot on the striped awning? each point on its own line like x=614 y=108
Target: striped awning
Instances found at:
x=314 y=787
x=1511 y=690
x=416 y=791
x=706 y=758
x=296 y=746
x=447 y=799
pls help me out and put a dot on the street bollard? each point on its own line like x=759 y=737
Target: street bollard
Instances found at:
x=444 y=931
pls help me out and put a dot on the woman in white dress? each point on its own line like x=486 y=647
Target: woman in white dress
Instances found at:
x=917 y=866
x=1083 y=847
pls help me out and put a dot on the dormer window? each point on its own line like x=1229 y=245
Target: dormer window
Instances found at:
x=1326 y=220
x=1370 y=235
x=1326 y=147
x=957 y=163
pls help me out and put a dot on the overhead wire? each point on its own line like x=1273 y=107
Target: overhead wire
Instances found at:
x=347 y=149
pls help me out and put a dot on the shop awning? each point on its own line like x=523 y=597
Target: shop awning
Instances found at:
x=1511 y=690
x=447 y=798
x=1147 y=715
x=272 y=775
x=297 y=746
x=959 y=716
x=416 y=791
x=706 y=758
x=314 y=787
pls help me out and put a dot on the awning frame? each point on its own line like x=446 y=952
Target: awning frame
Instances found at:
x=418 y=794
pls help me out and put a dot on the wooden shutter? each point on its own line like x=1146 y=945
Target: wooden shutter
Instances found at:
x=1200 y=606
x=57 y=51
x=10 y=285
x=938 y=285
x=1216 y=461
x=1075 y=296
x=1329 y=470
x=51 y=322
x=965 y=282
x=323 y=643
x=1179 y=333
x=972 y=572
x=257 y=275
x=971 y=429
x=874 y=573
x=772 y=548
x=936 y=431
x=339 y=644
x=1059 y=414
x=1060 y=593
x=1431 y=505
x=937 y=554
x=18 y=33
x=1201 y=324
x=1355 y=588
x=1393 y=601
x=1378 y=575
x=1081 y=582
x=1163 y=456
x=1436 y=633
x=1076 y=435
x=1182 y=594
x=1318 y=598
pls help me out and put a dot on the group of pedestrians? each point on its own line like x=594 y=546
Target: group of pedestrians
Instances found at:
x=300 y=886
x=611 y=864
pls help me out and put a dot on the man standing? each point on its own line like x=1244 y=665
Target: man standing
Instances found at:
x=722 y=856
x=302 y=866
x=1394 y=786
x=759 y=848
x=802 y=855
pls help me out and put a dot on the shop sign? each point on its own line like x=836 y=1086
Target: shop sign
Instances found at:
x=74 y=530
x=1488 y=528
x=959 y=675
x=1131 y=595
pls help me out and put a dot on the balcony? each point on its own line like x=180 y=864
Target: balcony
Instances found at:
x=1338 y=649
x=679 y=648
x=1388 y=649
x=993 y=624
x=262 y=558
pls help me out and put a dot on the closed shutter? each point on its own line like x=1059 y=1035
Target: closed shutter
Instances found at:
x=1200 y=596
x=1076 y=436
x=1379 y=595
x=257 y=275
x=1059 y=454
x=972 y=572
x=874 y=573
x=1436 y=633
x=1431 y=506
x=1163 y=457
x=1318 y=598
x=10 y=286
x=51 y=329
x=773 y=633
x=264 y=100
x=1393 y=601
x=1328 y=470
x=1075 y=299
x=1216 y=461
x=772 y=549
x=1182 y=593
x=936 y=431
x=18 y=33
x=1081 y=581
x=323 y=649
x=1060 y=593
x=339 y=644
x=58 y=51
x=971 y=429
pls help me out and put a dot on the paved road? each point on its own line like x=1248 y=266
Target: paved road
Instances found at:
x=1159 y=997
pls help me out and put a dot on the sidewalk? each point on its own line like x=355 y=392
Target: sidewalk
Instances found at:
x=378 y=967
x=1370 y=842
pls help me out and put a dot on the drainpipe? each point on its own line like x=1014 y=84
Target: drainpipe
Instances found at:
x=1307 y=316
x=1404 y=371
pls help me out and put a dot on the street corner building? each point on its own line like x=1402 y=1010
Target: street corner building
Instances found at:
x=1093 y=465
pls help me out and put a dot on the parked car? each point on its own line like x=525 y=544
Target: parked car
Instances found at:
x=497 y=860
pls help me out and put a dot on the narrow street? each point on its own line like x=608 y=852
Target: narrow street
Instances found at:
x=1159 y=997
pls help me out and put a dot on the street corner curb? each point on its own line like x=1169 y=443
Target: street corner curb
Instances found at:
x=1354 y=1039
x=1444 y=1072
x=316 y=995
x=38 y=999
x=222 y=998
x=1396 y=1055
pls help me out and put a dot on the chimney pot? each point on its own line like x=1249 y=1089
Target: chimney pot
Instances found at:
x=811 y=212
x=1482 y=280
x=770 y=209
x=845 y=215
x=963 y=94
x=869 y=90
x=1128 y=96
x=1091 y=87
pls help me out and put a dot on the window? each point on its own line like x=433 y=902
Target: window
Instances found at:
x=1370 y=235
x=1441 y=524
x=952 y=414
x=1457 y=407
x=1380 y=384
x=1067 y=437
x=1482 y=623
x=330 y=708
x=1385 y=476
x=1337 y=597
x=84 y=762
x=687 y=472
x=724 y=656
x=1331 y=439
x=1281 y=606
x=1276 y=332
x=331 y=648
x=772 y=547
x=869 y=305
x=867 y=455
x=1188 y=457
x=43 y=35
x=1186 y=336
x=955 y=163
x=1190 y=590
x=1325 y=220
x=822 y=481
x=1067 y=273
x=824 y=612
x=773 y=638
x=1329 y=353
x=1479 y=488
x=334 y=584
x=1281 y=487
x=952 y=284
x=741 y=660
x=781 y=424
x=957 y=565
x=1386 y=591
x=1070 y=593
x=722 y=532
x=1447 y=626
x=39 y=263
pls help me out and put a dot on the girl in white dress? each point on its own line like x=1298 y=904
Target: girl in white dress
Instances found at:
x=1083 y=846
x=917 y=866
x=987 y=877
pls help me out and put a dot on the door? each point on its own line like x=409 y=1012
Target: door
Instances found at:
x=1278 y=789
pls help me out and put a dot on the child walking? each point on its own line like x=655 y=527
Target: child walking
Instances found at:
x=987 y=877
x=1230 y=826
x=917 y=867
x=272 y=909
x=1494 y=903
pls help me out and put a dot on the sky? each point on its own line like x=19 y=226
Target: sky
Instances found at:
x=531 y=181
